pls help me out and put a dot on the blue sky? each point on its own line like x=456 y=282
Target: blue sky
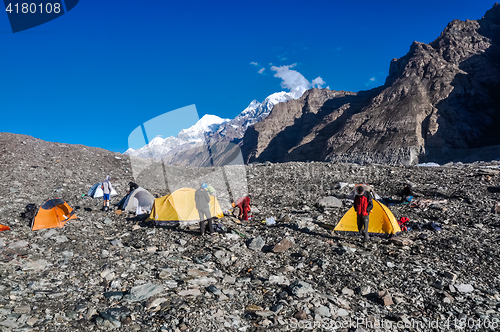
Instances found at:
x=106 y=67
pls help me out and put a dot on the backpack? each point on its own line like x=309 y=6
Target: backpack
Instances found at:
x=220 y=228
x=29 y=211
x=133 y=186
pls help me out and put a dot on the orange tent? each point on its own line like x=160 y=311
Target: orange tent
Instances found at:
x=4 y=228
x=54 y=213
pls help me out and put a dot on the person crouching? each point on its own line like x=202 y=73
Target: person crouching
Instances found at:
x=363 y=204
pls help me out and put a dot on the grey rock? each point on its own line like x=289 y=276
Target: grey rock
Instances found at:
x=114 y=295
x=256 y=244
x=323 y=311
x=189 y=292
x=329 y=202
x=22 y=309
x=300 y=288
x=464 y=288
x=142 y=292
x=214 y=290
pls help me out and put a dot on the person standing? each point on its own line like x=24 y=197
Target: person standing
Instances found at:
x=202 y=200
x=106 y=190
x=363 y=204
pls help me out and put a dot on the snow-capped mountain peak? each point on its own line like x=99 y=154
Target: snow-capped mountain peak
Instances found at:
x=211 y=127
x=206 y=124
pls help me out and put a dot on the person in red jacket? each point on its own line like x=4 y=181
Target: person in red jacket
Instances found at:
x=363 y=204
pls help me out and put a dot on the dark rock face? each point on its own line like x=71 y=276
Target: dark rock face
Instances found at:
x=440 y=102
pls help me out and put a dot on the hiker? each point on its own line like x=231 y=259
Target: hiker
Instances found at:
x=363 y=204
x=211 y=190
x=407 y=194
x=243 y=204
x=132 y=186
x=106 y=190
x=202 y=200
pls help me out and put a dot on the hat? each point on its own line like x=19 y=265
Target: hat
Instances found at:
x=204 y=185
x=360 y=190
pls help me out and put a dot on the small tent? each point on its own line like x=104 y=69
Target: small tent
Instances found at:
x=53 y=213
x=96 y=191
x=382 y=221
x=4 y=228
x=139 y=199
x=181 y=206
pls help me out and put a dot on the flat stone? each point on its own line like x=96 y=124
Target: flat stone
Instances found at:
x=253 y=308
x=300 y=288
x=279 y=280
x=22 y=309
x=323 y=311
x=189 y=292
x=364 y=290
x=347 y=291
x=118 y=312
x=386 y=298
x=282 y=246
x=202 y=281
x=464 y=288
x=197 y=273
x=153 y=303
x=300 y=315
x=10 y=323
x=142 y=292
x=342 y=313
x=256 y=244
x=401 y=241
x=329 y=202
x=109 y=321
x=229 y=279
x=265 y=313
x=114 y=295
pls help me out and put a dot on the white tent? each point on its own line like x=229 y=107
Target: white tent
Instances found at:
x=96 y=191
x=138 y=200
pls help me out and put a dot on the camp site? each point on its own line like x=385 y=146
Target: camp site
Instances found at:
x=300 y=242
x=175 y=166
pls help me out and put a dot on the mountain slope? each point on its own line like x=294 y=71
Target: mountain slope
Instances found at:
x=212 y=140
x=440 y=102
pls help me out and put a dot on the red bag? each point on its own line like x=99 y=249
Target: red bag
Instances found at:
x=402 y=223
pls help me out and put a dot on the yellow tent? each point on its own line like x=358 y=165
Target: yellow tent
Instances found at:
x=181 y=206
x=382 y=221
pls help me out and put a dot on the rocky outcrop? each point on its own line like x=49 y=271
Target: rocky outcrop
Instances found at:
x=440 y=102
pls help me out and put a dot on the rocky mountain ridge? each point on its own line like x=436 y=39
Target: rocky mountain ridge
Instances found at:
x=440 y=102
